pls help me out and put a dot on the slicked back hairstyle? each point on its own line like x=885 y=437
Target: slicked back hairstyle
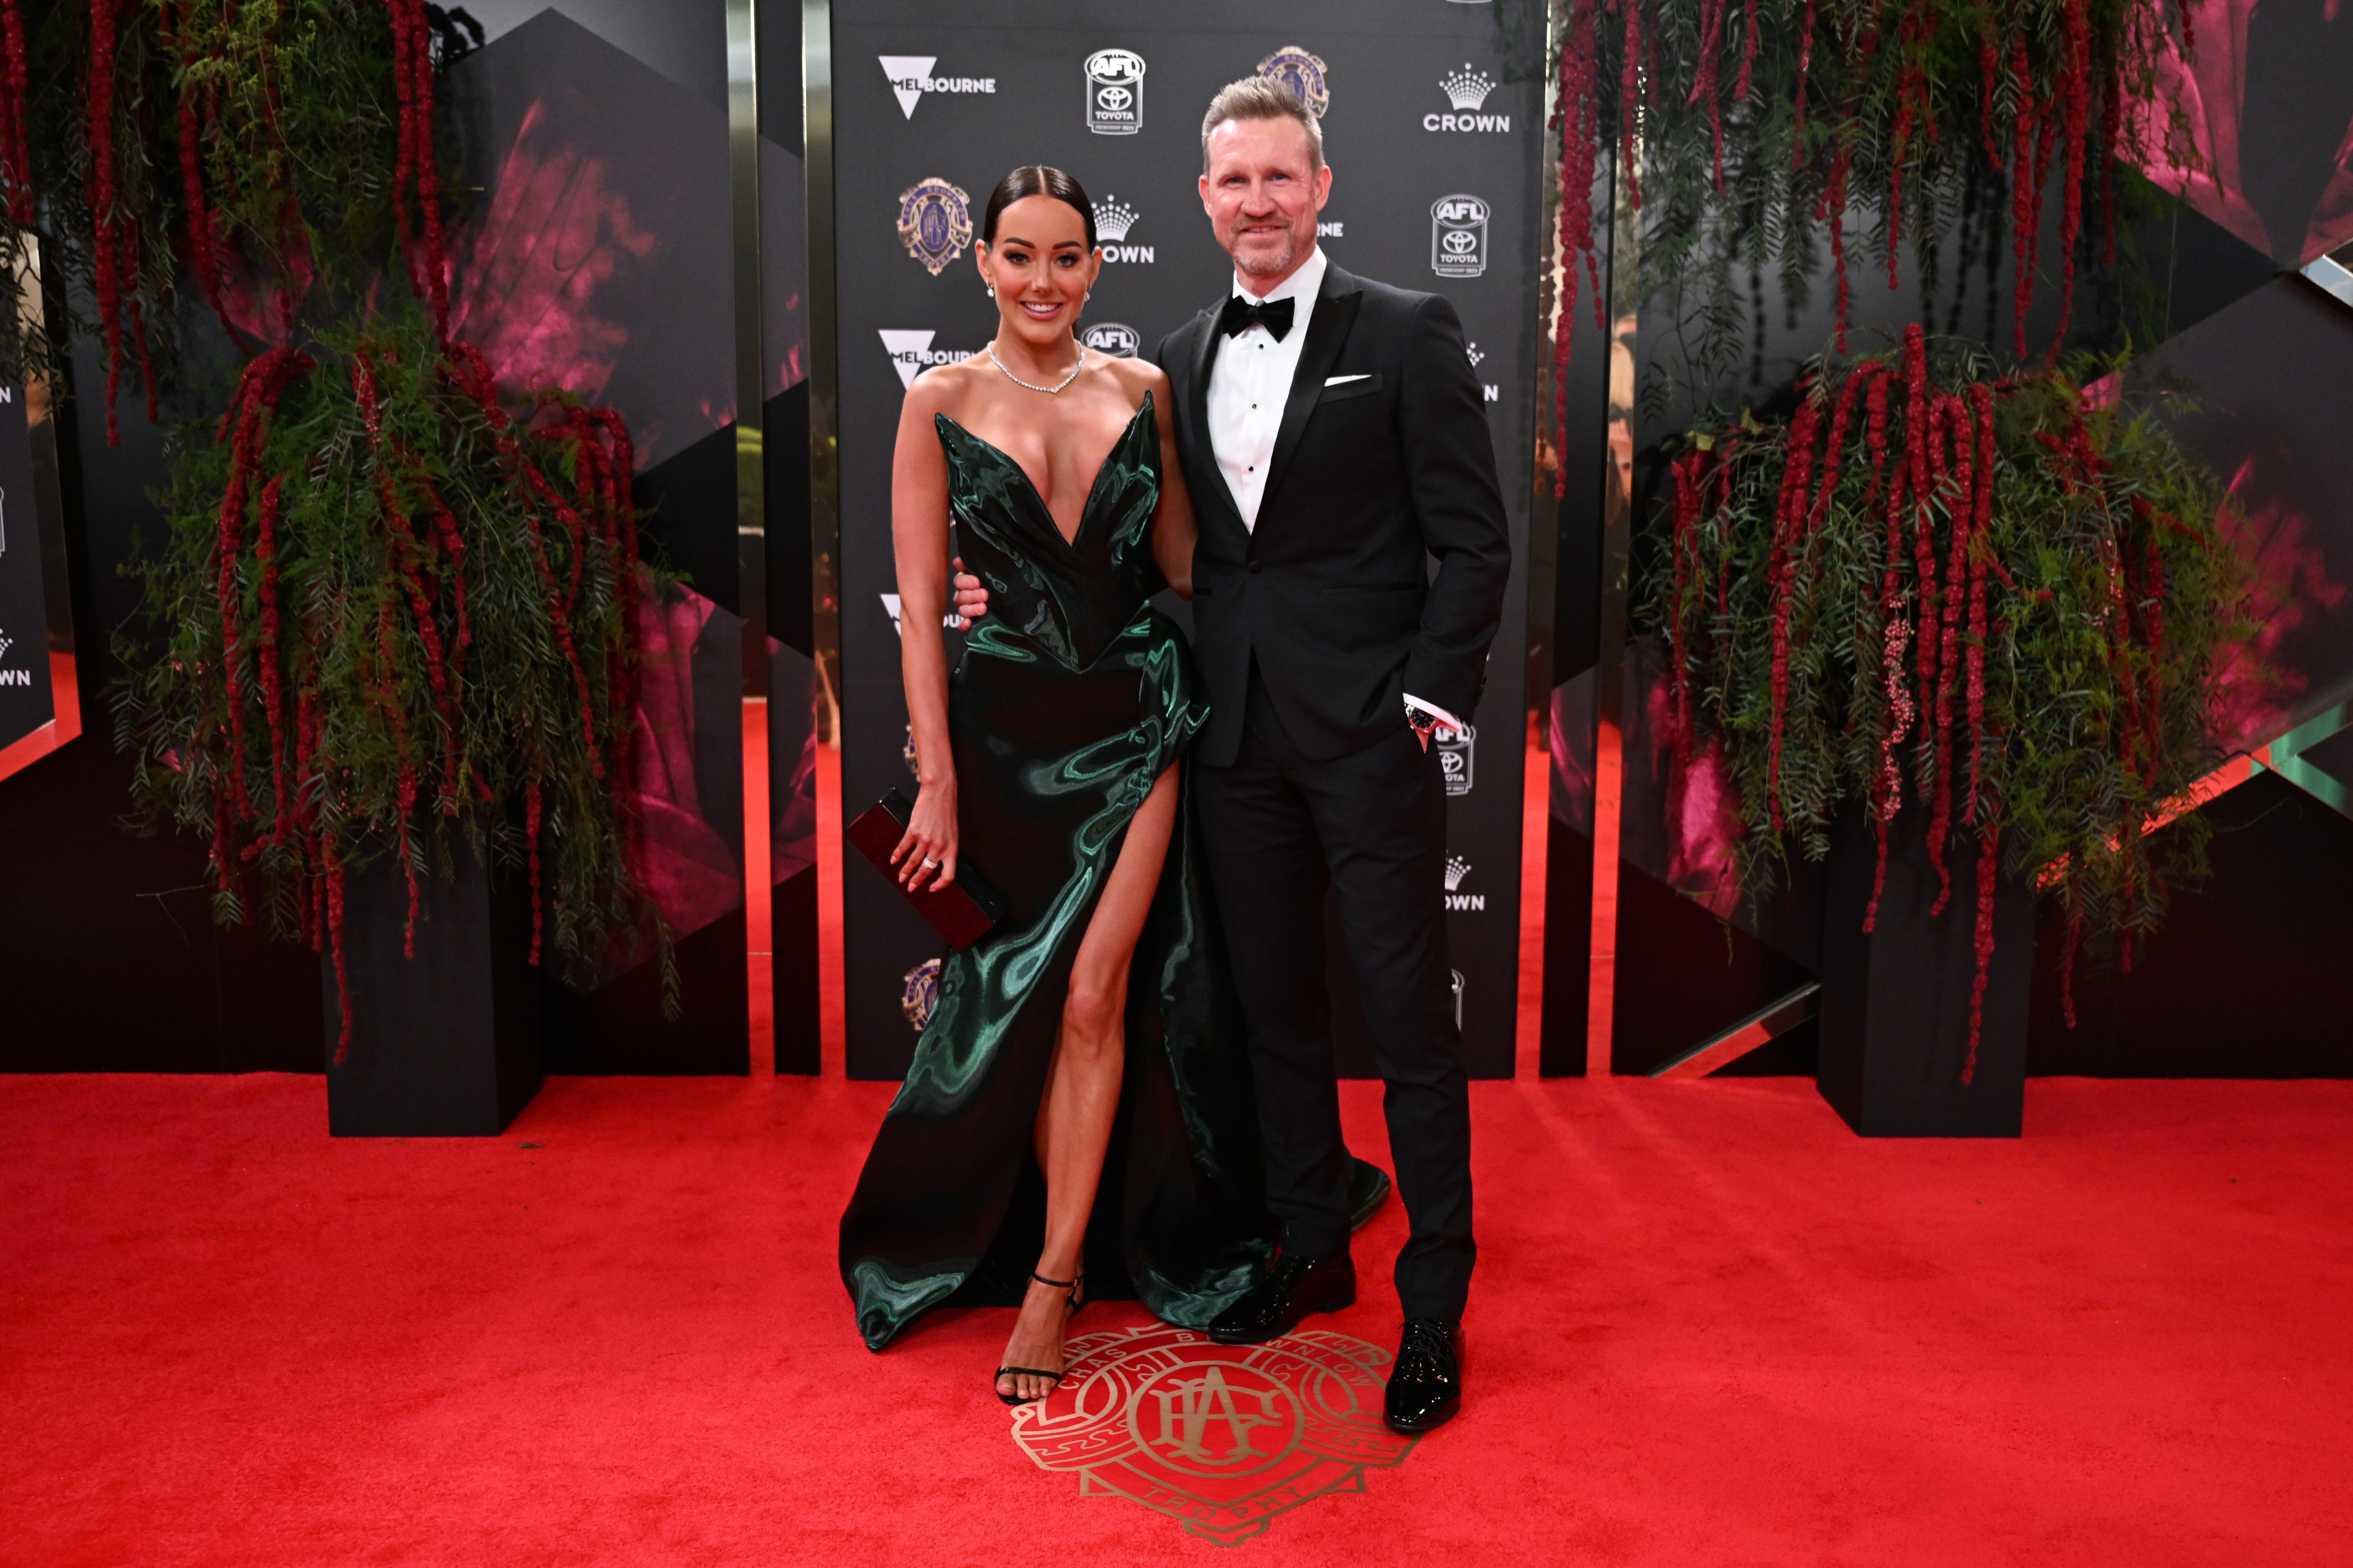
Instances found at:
x=1037 y=180
x=1261 y=97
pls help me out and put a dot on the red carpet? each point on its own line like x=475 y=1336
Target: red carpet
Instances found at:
x=1710 y=1327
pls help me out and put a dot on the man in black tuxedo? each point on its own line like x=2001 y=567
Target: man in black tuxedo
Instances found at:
x=1336 y=443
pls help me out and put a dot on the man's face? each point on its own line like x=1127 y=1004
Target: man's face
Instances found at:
x=1262 y=193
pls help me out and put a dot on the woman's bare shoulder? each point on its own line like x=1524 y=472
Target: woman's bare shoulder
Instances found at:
x=1138 y=376
x=943 y=389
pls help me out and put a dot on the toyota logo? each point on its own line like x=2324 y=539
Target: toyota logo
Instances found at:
x=1115 y=97
x=1461 y=241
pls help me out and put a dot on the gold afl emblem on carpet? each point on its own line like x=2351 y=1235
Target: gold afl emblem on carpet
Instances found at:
x=1219 y=1437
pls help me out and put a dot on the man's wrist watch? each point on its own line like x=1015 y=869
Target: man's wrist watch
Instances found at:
x=1424 y=722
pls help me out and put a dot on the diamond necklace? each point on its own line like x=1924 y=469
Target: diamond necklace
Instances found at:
x=1050 y=391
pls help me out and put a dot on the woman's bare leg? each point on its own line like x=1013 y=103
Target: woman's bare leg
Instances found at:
x=1074 y=1115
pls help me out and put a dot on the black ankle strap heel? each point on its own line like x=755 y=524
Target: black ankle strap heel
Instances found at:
x=1075 y=1285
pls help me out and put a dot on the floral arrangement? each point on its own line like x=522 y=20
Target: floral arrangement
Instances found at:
x=389 y=609
x=2005 y=601
x=1743 y=131
x=394 y=610
x=263 y=152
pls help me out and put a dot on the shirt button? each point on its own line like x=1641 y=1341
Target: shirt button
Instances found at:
x=1255 y=566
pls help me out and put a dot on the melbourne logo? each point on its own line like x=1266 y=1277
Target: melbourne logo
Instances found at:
x=935 y=222
x=911 y=354
x=1115 y=92
x=1116 y=339
x=1466 y=90
x=1303 y=73
x=1457 y=869
x=1219 y=1437
x=1453 y=749
x=910 y=78
x=1458 y=237
x=1114 y=218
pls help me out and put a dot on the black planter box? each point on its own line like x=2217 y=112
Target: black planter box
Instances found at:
x=1894 y=1021
x=445 y=1043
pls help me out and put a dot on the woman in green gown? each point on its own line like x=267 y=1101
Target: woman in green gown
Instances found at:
x=1078 y=1120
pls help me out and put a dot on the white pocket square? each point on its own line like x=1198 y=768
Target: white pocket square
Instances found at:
x=1343 y=380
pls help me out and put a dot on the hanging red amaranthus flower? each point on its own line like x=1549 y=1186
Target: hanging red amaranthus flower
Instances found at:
x=106 y=228
x=1578 y=116
x=15 y=144
x=412 y=59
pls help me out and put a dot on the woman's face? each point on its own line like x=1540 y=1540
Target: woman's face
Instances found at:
x=1040 y=268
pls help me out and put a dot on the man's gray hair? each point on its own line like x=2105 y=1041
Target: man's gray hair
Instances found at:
x=1261 y=97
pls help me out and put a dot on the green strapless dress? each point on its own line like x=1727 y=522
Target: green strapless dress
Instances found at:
x=1072 y=697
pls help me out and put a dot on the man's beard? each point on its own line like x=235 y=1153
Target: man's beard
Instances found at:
x=1260 y=263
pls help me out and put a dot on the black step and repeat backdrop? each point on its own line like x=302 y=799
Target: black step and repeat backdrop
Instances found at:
x=1432 y=114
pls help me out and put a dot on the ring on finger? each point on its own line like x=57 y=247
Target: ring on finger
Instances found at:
x=931 y=865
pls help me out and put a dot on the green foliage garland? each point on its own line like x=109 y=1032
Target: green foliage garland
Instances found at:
x=387 y=615
x=1998 y=598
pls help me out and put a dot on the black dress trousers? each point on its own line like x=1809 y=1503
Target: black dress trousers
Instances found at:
x=1278 y=828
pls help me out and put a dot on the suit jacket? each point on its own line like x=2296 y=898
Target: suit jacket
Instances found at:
x=1370 y=480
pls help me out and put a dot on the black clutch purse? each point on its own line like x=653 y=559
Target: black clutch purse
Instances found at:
x=963 y=911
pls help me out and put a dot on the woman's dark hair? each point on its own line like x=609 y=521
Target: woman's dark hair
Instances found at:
x=1037 y=180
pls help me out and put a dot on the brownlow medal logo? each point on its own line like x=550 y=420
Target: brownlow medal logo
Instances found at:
x=1221 y=1438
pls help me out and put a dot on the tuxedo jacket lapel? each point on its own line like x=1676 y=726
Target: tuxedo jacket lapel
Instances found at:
x=1327 y=330
x=1208 y=483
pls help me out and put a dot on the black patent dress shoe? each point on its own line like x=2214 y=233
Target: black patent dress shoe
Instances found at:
x=1294 y=1288
x=1368 y=1189
x=1426 y=1385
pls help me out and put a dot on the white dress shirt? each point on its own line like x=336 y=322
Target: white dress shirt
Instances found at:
x=1250 y=381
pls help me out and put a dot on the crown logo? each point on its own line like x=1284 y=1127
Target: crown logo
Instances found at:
x=4 y=644
x=1476 y=355
x=1466 y=88
x=1457 y=869
x=1114 y=218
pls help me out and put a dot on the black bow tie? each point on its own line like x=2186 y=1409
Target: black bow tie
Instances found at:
x=1241 y=314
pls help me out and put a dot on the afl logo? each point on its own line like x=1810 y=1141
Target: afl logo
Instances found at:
x=1458 y=237
x=1115 y=92
x=935 y=222
x=1114 y=338
x=1303 y=73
